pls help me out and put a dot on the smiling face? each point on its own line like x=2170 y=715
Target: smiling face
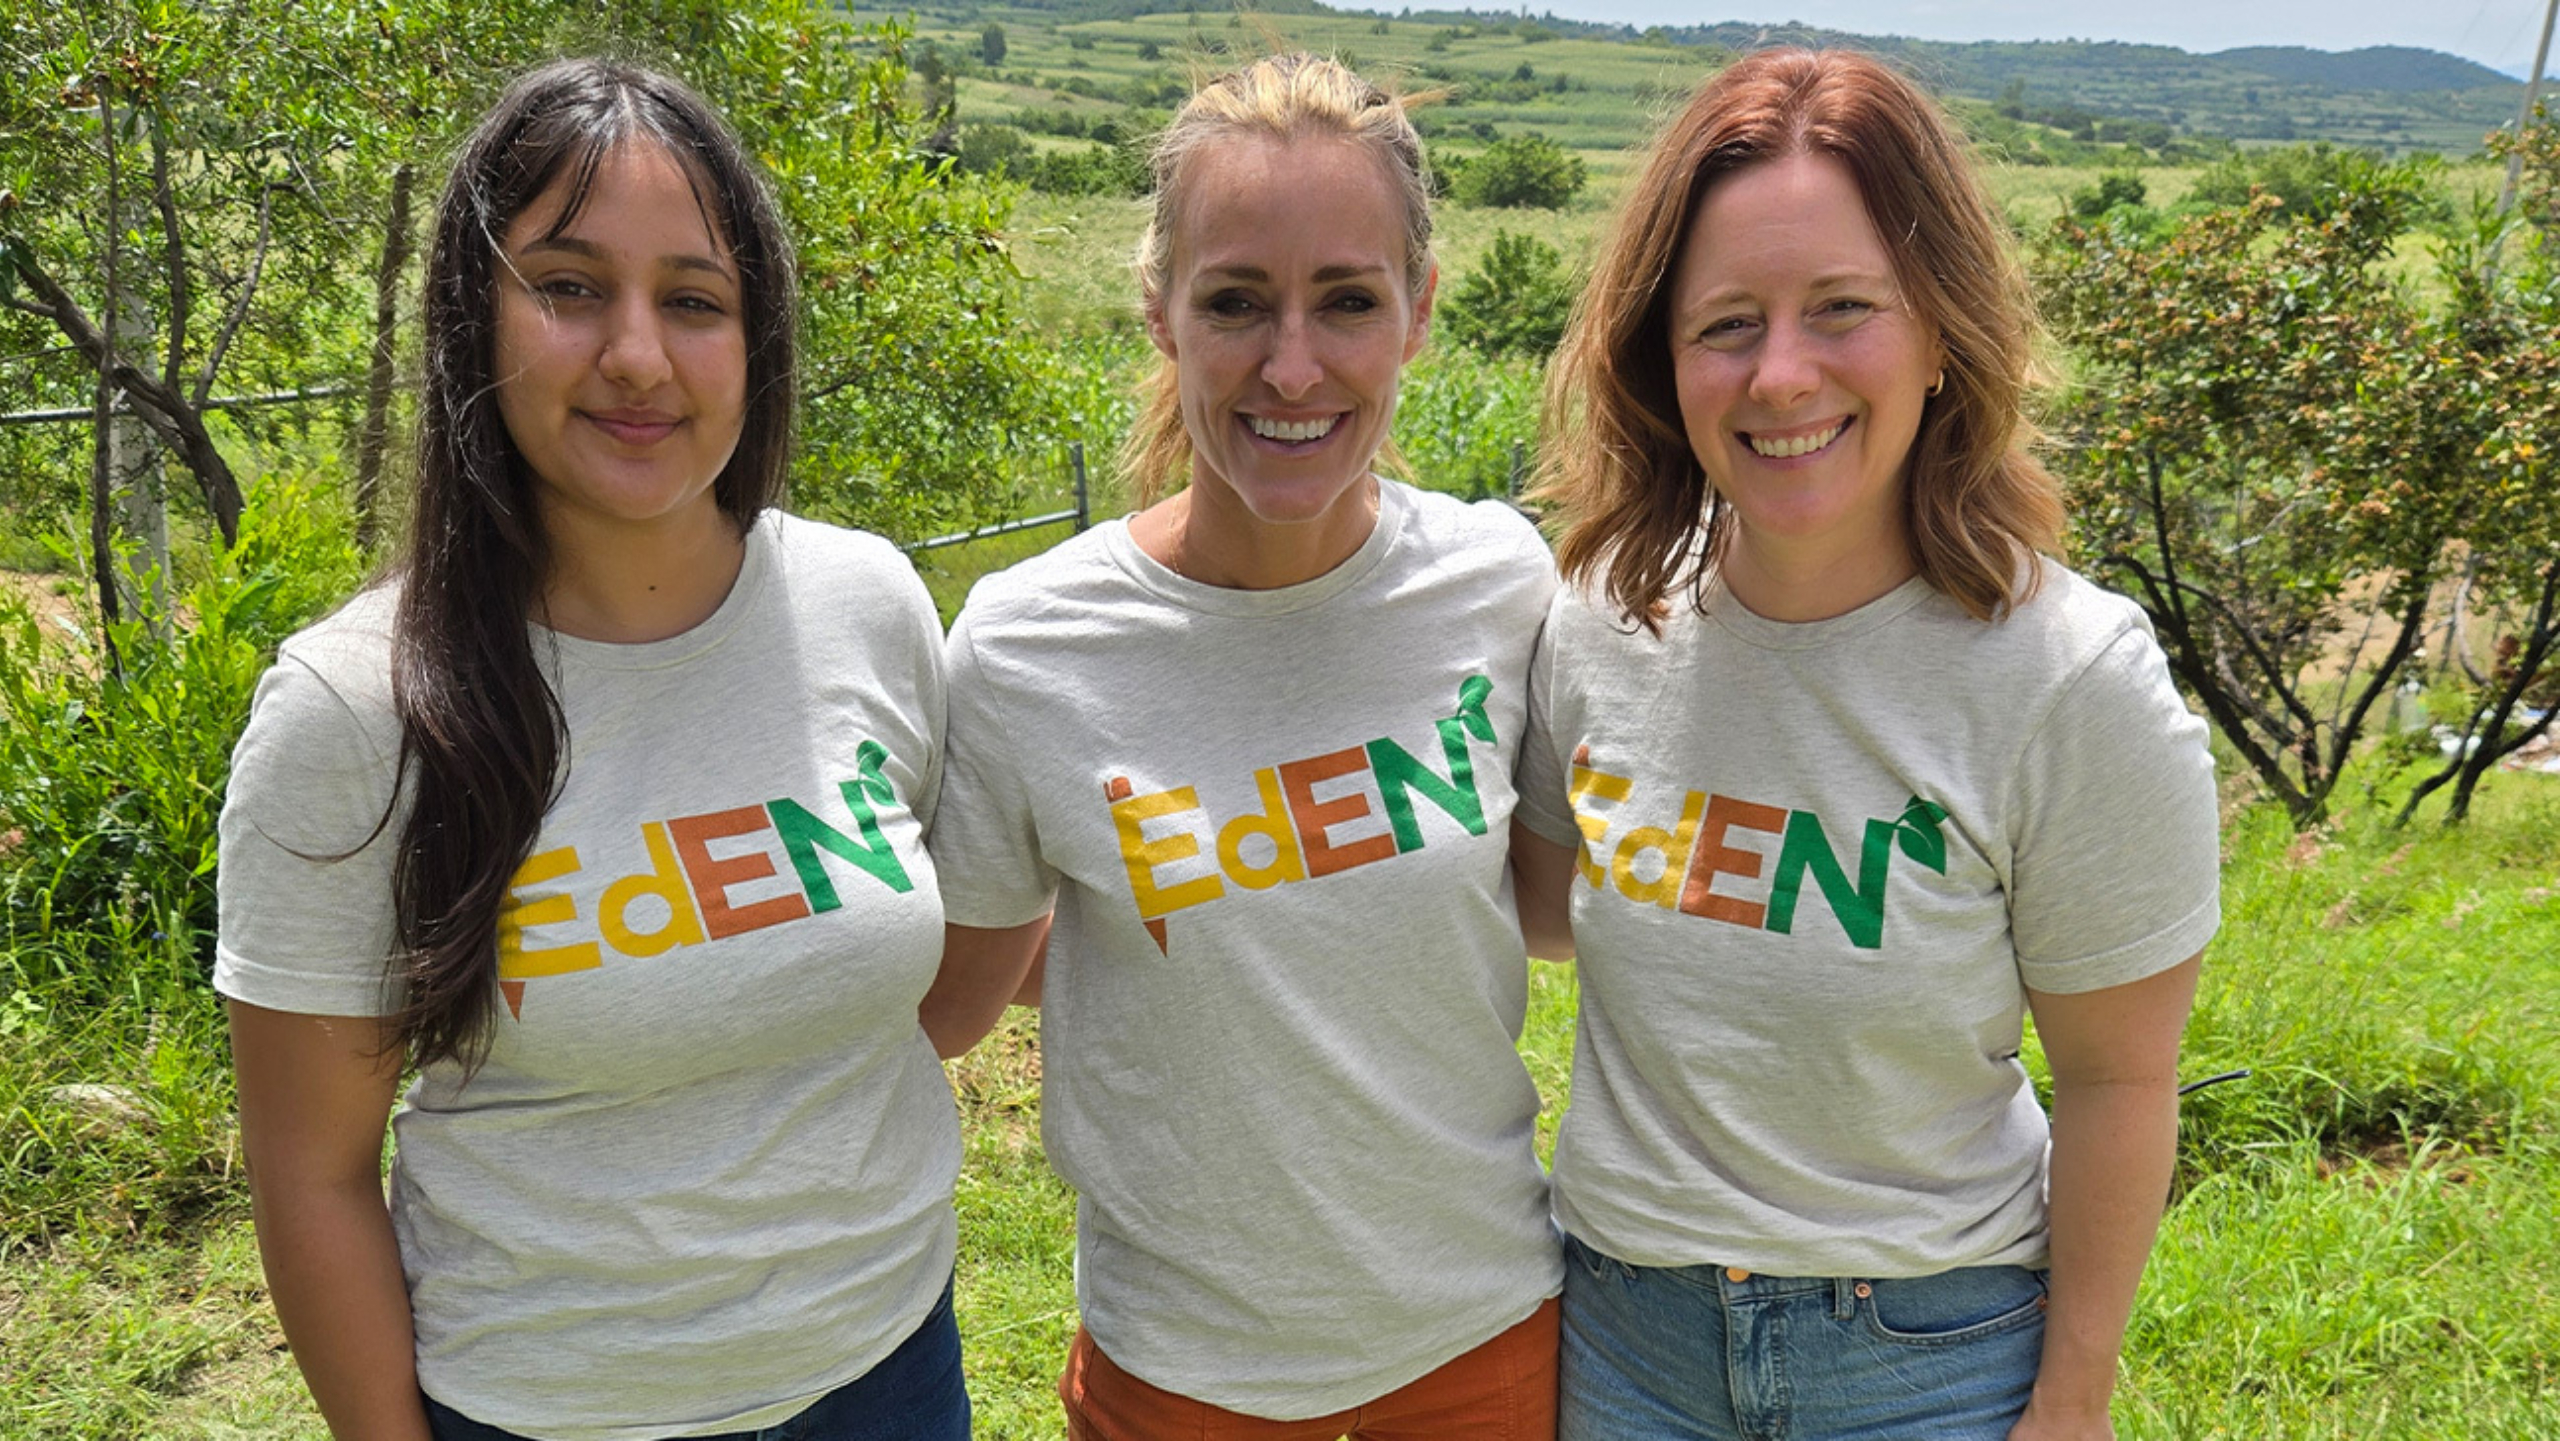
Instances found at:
x=620 y=353
x=1288 y=317
x=1802 y=375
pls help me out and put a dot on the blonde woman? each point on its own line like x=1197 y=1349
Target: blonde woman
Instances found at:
x=1245 y=760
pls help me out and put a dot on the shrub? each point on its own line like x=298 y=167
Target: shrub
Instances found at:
x=1514 y=303
x=1521 y=172
x=112 y=764
x=2116 y=187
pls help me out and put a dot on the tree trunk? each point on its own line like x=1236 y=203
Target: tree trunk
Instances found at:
x=375 y=437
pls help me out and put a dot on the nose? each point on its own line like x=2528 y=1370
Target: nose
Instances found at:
x=1292 y=368
x=635 y=344
x=1785 y=373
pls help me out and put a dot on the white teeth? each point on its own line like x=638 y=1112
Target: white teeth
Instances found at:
x=1800 y=445
x=1292 y=429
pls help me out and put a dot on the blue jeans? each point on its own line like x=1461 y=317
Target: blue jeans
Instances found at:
x=914 y=1394
x=1691 y=1353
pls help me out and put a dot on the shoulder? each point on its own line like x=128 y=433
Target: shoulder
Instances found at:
x=323 y=740
x=812 y=552
x=338 y=668
x=1077 y=573
x=2061 y=630
x=1493 y=526
x=1487 y=548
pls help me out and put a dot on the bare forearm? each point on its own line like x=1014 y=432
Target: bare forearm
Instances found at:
x=2114 y=1145
x=983 y=970
x=334 y=1269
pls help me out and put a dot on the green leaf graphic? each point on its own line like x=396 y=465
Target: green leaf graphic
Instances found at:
x=1918 y=834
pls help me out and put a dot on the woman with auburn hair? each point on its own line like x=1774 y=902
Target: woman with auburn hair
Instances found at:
x=1245 y=759
x=542 y=815
x=1844 y=778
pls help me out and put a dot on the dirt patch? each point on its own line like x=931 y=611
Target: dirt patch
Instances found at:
x=37 y=591
x=2378 y=1165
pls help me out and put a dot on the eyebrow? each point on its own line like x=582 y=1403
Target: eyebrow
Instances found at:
x=1831 y=280
x=591 y=251
x=1324 y=276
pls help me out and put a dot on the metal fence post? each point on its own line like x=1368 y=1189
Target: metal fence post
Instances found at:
x=1084 y=502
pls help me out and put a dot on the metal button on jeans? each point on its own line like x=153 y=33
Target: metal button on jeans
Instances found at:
x=1736 y=1274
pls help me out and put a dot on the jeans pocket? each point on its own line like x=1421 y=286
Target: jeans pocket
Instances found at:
x=1595 y=1263
x=1953 y=1307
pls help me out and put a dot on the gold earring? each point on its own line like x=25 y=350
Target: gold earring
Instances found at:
x=1940 y=383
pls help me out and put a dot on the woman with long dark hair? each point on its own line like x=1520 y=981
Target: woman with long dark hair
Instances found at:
x=1846 y=778
x=603 y=811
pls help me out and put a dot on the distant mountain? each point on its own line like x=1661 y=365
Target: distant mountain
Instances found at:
x=2375 y=67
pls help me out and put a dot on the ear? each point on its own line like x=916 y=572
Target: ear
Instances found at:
x=1159 y=330
x=1422 y=314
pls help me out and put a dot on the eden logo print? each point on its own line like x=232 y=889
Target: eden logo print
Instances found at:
x=687 y=895
x=1292 y=834
x=1702 y=874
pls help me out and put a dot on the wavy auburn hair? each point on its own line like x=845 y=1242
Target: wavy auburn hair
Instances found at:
x=1638 y=513
x=482 y=743
x=1279 y=97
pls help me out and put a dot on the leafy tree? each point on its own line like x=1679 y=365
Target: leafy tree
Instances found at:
x=2116 y=187
x=2224 y=444
x=1515 y=303
x=992 y=150
x=991 y=46
x=1522 y=171
x=2312 y=181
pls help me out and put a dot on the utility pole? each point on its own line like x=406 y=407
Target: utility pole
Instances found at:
x=2524 y=117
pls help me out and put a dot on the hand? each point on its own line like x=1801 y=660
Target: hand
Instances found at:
x=2058 y=1423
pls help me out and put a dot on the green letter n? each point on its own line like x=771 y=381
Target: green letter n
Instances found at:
x=803 y=834
x=1400 y=773
x=1859 y=908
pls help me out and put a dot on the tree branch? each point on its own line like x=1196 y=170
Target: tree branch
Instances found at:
x=173 y=253
x=240 y=304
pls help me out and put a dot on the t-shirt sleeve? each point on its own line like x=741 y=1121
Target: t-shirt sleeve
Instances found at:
x=304 y=888
x=2116 y=871
x=985 y=843
x=1543 y=783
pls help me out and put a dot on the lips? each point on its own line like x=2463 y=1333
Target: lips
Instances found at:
x=633 y=427
x=1292 y=432
x=1770 y=446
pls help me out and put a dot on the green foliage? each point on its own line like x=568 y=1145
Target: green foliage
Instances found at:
x=992 y=150
x=1462 y=418
x=1514 y=302
x=2115 y=188
x=1520 y=171
x=1100 y=169
x=991 y=45
x=111 y=780
x=2312 y=182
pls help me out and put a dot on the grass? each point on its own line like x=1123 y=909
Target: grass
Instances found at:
x=2360 y=1247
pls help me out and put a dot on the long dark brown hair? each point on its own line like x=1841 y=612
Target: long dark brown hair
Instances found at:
x=1637 y=508
x=483 y=743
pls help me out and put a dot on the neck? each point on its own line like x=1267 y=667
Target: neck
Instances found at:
x=1206 y=536
x=1807 y=582
x=631 y=584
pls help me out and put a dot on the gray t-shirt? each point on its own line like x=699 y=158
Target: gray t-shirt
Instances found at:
x=1285 y=981
x=1822 y=863
x=705 y=1174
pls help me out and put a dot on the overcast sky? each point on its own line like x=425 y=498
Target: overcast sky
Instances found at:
x=2497 y=33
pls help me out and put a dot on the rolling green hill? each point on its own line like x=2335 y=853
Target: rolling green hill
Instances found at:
x=2390 y=98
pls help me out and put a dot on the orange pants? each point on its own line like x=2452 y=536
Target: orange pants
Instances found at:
x=1503 y=1390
